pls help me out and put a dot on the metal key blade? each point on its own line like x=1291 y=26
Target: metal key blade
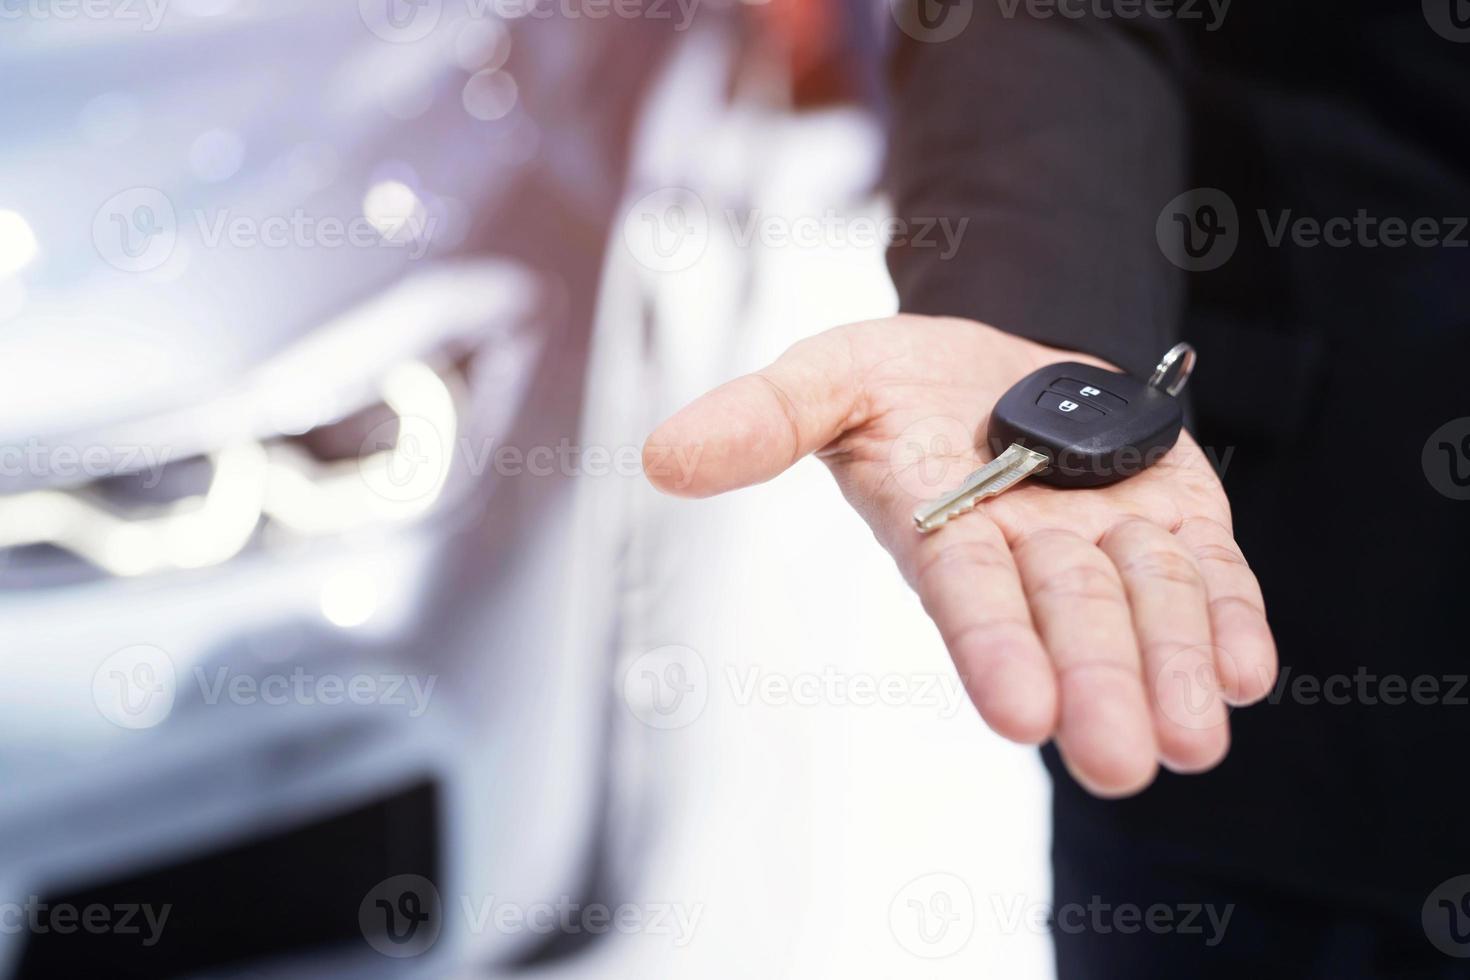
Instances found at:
x=1001 y=473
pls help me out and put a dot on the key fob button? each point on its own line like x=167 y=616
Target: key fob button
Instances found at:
x=1068 y=407
x=1090 y=393
x=1087 y=443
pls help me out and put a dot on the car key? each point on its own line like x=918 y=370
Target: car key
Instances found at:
x=1073 y=425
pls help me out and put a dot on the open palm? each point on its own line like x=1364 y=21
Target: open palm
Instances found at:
x=1120 y=620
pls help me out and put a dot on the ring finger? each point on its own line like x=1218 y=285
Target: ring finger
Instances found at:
x=1169 y=603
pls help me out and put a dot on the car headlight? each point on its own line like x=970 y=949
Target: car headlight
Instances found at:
x=345 y=455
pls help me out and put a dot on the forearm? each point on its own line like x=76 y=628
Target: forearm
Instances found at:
x=1056 y=142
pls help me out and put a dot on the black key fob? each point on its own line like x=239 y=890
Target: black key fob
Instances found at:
x=1096 y=427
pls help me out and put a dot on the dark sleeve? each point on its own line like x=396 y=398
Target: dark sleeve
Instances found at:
x=1057 y=142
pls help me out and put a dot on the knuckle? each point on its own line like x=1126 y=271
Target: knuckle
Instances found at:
x=1000 y=633
x=787 y=407
x=1220 y=604
x=1172 y=653
x=969 y=554
x=1131 y=526
x=1083 y=581
x=1163 y=565
x=1220 y=553
x=1207 y=526
x=1094 y=669
x=1047 y=539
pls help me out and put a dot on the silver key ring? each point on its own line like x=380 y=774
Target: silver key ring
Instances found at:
x=1180 y=351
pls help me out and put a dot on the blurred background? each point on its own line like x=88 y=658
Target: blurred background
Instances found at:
x=343 y=635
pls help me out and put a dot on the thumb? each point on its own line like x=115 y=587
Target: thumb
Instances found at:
x=753 y=428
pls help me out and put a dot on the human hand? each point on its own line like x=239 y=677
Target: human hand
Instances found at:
x=1119 y=620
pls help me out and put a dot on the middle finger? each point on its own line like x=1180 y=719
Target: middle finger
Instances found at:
x=1081 y=611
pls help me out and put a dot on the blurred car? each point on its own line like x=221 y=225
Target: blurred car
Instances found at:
x=288 y=657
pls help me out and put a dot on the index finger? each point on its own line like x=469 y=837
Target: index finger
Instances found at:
x=969 y=585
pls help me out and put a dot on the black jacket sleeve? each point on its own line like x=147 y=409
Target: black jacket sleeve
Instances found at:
x=1057 y=141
